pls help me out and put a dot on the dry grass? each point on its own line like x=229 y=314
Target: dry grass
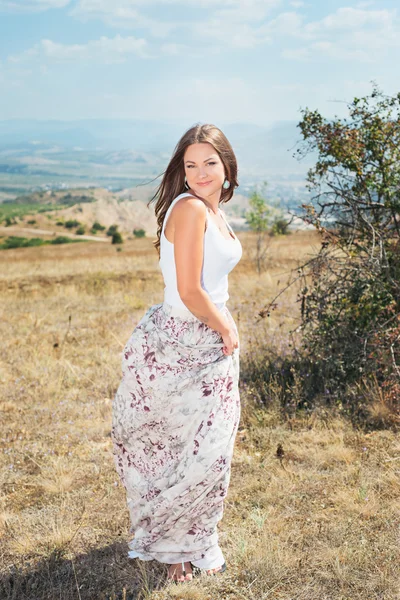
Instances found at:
x=320 y=522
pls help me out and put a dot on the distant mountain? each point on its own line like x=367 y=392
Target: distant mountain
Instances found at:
x=258 y=146
x=270 y=150
x=91 y=134
x=118 y=152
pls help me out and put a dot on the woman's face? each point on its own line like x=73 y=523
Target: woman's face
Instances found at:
x=204 y=166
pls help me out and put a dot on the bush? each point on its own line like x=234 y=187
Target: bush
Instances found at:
x=61 y=239
x=139 y=233
x=117 y=238
x=13 y=242
x=60 y=223
x=31 y=221
x=21 y=242
x=35 y=242
x=80 y=230
x=97 y=227
x=111 y=230
x=350 y=295
x=280 y=227
x=71 y=223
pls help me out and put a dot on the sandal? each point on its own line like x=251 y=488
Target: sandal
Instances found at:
x=183 y=574
x=197 y=571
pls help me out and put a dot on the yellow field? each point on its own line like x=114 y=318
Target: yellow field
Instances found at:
x=320 y=522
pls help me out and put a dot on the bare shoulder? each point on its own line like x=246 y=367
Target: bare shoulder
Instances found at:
x=189 y=205
x=189 y=209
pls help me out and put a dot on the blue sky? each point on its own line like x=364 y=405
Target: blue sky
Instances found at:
x=220 y=61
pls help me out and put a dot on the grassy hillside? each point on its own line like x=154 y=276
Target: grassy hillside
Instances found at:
x=50 y=210
x=44 y=201
x=312 y=509
x=45 y=198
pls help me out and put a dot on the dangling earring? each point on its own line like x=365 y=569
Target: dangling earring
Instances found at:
x=186 y=184
x=226 y=186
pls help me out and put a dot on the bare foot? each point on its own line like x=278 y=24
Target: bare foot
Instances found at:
x=217 y=570
x=175 y=572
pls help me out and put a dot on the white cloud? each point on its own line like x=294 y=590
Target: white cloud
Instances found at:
x=108 y=8
x=343 y=21
x=121 y=14
x=105 y=50
x=348 y=34
x=355 y=33
x=238 y=25
x=365 y=4
x=353 y=18
x=245 y=10
x=225 y=20
x=240 y=35
x=331 y=50
x=288 y=23
x=21 y=6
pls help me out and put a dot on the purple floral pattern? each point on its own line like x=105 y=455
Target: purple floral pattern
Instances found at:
x=174 y=421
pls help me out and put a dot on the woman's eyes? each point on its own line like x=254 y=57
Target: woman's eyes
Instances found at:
x=210 y=163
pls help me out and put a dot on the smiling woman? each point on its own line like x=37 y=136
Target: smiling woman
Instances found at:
x=177 y=408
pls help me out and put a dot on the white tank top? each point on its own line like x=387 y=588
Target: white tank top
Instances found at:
x=220 y=256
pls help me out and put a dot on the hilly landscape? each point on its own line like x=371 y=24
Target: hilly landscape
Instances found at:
x=119 y=154
x=103 y=172
x=88 y=213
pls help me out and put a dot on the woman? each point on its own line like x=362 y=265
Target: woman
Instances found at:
x=177 y=408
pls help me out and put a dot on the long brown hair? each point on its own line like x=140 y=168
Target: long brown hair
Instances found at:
x=173 y=181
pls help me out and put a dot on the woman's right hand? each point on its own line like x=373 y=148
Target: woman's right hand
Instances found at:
x=230 y=340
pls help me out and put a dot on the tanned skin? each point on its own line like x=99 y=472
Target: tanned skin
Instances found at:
x=188 y=222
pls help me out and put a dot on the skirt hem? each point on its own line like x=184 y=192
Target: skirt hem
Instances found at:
x=212 y=562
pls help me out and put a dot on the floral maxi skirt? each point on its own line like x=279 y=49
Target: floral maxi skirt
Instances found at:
x=175 y=416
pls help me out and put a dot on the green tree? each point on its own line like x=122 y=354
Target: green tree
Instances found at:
x=111 y=230
x=258 y=217
x=97 y=227
x=71 y=223
x=351 y=289
x=139 y=233
x=117 y=238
